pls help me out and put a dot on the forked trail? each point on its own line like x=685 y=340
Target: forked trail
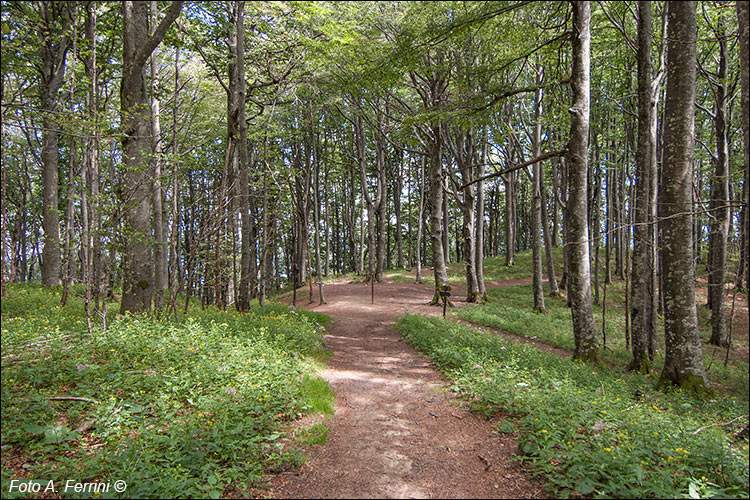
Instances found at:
x=397 y=432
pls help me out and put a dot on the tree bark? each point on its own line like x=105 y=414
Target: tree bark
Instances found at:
x=136 y=194
x=160 y=258
x=579 y=290
x=683 y=363
x=641 y=300
x=436 y=211
x=239 y=129
x=479 y=225
x=510 y=218
x=536 y=211
x=719 y=204
x=420 y=222
x=55 y=18
x=743 y=13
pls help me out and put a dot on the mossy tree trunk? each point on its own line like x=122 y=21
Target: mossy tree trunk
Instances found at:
x=683 y=362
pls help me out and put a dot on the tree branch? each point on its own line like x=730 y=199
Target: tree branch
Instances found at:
x=158 y=35
x=508 y=170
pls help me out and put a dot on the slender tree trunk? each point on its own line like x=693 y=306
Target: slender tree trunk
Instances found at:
x=381 y=204
x=683 y=363
x=446 y=225
x=465 y=157
x=510 y=218
x=640 y=301
x=436 y=211
x=367 y=200
x=579 y=290
x=743 y=14
x=719 y=205
x=160 y=258
x=54 y=48
x=398 y=186
x=3 y=202
x=247 y=259
x=479 y=226
x=554 y=289
x=68 y=266
x=175 y=274
x=420 y=222
x=316 y=215
x=536 y=208
x=68 y=263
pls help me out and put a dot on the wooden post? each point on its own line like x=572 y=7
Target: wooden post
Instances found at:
x=372 y=287
x=445 y=292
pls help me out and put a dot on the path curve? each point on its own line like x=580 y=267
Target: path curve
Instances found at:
x=397 y=431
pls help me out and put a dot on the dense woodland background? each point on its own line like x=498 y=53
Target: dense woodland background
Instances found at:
x=226 y=150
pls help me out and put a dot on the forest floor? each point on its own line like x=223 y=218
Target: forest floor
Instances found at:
x=398 y=431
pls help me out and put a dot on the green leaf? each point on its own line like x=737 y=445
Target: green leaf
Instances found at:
x=584 y=487
x=34 y=429
x=58 y=434
x=507 y=428
x=693 y=490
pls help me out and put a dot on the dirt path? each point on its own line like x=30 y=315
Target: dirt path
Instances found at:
x=397 y=433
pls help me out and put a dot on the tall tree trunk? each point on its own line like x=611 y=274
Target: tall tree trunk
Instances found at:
x=641 y=301
x=743 y=14
x=175 y=274
x=436 y=211
x=719 y=204
x=3 y=202
x=510 y=218
x=160 y=258
x=683 y=362
x=579 y=290
x=479 y=226
x=134 y=115
x=68 y=262
x=237 y=87
x=398 y=186
x=536 y=209
x=464 y=152
x=368 y=201
x=316 y=214
x=381 y=204
x=55 y=19
x=420 y=222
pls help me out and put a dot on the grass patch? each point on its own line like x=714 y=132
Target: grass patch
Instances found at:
x=316 y=434
x=318 y=394
x=511 y=310
x=585 y=428
x=179 y=408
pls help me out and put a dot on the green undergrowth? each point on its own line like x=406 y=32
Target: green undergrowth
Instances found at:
x=189 y=408
x=316 y=434
x=510 y=309
x=590 y=431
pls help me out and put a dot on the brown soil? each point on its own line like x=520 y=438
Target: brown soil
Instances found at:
x=397 y=432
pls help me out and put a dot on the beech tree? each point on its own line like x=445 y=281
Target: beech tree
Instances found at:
x=579 y=289
x=136 y=193
x=55 y=19
x=683 y=362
